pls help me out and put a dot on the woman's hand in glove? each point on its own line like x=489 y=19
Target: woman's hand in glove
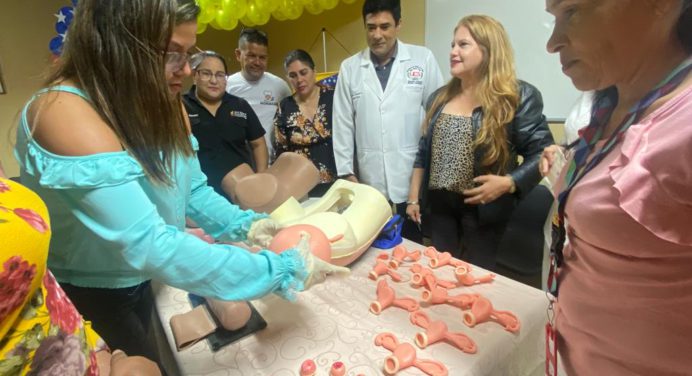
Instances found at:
x=316 y=268
x=262 y=232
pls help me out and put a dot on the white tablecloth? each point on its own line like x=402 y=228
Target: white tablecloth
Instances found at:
x=331 y=322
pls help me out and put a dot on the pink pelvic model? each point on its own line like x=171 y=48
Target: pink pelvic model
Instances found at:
x=482 y=311
x=338 y=369
x=439 y=295
x=418 y=271
x=436 y=331
x=386 y=298
x=404 y=356
x=381 y=268
x=308 y=368
x=423 y=276
x=464 y=277
x=288 y=237
x=400 y=254
x=440 y=259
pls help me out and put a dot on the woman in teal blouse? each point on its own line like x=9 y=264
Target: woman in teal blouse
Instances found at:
x=105 y=146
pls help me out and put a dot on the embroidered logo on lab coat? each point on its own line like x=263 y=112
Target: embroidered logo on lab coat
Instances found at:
x=414 y=75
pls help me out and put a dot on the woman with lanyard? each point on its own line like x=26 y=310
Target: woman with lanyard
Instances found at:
x=625 y=199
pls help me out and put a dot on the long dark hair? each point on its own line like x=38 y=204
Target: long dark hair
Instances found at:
x=115 y=53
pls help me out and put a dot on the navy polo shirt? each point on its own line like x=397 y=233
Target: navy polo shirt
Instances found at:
x=384 y=70
x=223 y=138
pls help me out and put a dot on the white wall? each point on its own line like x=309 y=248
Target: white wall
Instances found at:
x=529 y=27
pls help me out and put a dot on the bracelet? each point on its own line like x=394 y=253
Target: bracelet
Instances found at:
x=513 y=187
x=411 y=202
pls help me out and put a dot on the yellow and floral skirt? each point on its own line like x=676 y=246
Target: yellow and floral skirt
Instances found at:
x=41 y=331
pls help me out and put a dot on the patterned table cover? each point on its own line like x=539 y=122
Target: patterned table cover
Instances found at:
x=332 y=322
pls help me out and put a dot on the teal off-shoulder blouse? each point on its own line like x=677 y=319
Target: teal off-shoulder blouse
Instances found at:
x=114 y=228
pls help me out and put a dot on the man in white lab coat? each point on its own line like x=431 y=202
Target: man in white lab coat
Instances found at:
x=379 y=106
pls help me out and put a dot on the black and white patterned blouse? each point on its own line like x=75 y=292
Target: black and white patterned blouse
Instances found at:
x=452 y=153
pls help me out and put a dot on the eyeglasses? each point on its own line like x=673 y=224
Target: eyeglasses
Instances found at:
x=206 y=75
x=176 y=61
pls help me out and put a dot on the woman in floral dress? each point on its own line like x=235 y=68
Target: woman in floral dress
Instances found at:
x=303 y=121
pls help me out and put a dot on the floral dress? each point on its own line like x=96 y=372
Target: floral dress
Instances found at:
x=41 y=332
x=309 y=137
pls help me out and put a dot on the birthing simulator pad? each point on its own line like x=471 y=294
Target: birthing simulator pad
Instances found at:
x=357 y=212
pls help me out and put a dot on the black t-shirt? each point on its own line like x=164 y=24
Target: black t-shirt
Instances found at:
x=222 y=138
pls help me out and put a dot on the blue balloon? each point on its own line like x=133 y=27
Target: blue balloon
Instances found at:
x=61 y=27
x=68 y=12
x=55 y=45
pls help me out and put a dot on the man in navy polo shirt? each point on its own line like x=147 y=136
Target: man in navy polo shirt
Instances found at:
x=222 y=123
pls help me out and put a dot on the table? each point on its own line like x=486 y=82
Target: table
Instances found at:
x=331 y=322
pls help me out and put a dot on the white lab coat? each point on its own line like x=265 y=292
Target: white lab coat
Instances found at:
x=383 y=128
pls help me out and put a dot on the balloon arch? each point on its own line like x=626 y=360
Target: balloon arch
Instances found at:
x=226 y=14
x=220 y=14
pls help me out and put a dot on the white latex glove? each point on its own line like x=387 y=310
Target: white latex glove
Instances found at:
x=317 y=268
x=262 y=232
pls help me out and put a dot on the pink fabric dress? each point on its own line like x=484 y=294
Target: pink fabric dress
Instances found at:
x=625 y=305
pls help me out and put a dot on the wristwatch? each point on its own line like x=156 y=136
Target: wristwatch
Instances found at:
x=411 y=202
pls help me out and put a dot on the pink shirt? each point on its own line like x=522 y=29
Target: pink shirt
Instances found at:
x=625 y=304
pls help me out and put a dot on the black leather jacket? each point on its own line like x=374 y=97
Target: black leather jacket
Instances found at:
x=527 y=135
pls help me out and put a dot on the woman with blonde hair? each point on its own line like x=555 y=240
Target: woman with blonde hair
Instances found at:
x=466 y=176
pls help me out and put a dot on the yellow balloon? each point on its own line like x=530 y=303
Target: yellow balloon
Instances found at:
x=293 y=9
x=279 y=15
x=206 y=15
x=246 y=21
x=328 y=4
x=313 y=7
x=225 y=20
x=201 y=27
x=214 y=24
x=267 y=6
x=348 y=1
x=236 y=8
x=256 y=15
